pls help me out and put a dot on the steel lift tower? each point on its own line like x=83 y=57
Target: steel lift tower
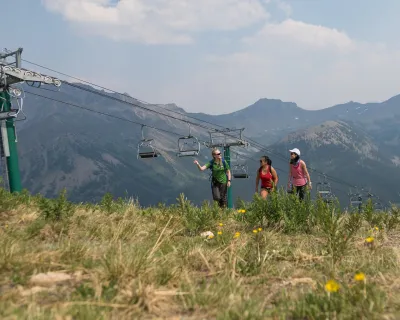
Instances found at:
x=12 y=74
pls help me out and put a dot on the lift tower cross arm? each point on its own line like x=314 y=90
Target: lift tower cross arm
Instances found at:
x=12 y=73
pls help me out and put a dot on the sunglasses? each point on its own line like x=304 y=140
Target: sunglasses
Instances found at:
x=217 y=154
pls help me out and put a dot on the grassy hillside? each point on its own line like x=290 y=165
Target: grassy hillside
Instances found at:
x=276 y=259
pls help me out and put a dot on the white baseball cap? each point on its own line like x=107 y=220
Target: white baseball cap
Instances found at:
x=296 y=151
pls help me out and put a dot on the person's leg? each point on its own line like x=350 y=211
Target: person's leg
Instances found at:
x=264 y=193
x=297 y=190
x=223 y=188
x=300 y=192
x=215 y=192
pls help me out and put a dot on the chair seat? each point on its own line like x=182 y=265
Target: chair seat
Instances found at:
x=240 y=175
x=148 y=155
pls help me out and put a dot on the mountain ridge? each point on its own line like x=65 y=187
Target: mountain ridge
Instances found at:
x=260 y=101
x=331 y=132
x=91 y=154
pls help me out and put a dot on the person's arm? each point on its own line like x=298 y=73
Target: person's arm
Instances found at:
x=202 y=168
x=275 y=178
x=289 y=177
x=303 y=164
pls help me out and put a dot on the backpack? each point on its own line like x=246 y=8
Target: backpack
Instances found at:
x=211 y=167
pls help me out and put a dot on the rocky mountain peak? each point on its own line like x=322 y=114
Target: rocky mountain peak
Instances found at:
x=336 y=133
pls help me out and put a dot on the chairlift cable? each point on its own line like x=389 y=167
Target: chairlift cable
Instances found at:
x=257 y=145
x=102 y=113
x=254 y=143
x=130 y=121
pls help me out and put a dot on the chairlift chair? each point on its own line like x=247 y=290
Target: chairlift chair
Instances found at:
x=378 y=206
x=240 y=170
x=145 y=149
x=328 y=197
x=188 y=146
x=356 y=201
x=324 y=190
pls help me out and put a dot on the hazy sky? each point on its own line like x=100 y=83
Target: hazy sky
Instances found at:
x=216 y=56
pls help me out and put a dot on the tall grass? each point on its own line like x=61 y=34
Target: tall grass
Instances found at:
x=274 y=259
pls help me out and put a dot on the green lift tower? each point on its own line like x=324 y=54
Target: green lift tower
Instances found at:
x=12 y=74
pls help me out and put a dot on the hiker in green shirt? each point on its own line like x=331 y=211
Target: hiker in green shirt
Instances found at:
x=221 y=177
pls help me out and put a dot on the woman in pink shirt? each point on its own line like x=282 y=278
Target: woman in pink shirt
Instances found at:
x=298 y=174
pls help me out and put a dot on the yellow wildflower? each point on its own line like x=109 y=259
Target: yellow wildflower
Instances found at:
x=332 y=286
x=369 y=239
x=255 y=231
x=219 y=232
x=210 y=236
x=237 y=235
x=221 y=224
x=376 y=228
x=259 y=229
x=359 y=276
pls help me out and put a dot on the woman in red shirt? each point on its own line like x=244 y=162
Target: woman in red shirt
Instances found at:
x=268 y=176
